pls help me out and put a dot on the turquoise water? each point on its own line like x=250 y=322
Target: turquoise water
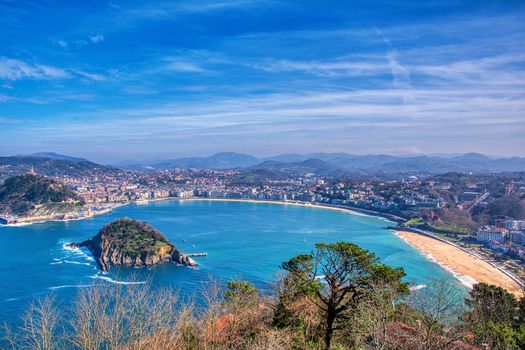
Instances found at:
x=243 y=240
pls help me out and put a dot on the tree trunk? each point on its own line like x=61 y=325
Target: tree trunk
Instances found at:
x=330 y=318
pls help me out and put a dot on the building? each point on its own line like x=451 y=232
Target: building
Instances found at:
x=516 y=225
x=490 y=234
x=517 y=237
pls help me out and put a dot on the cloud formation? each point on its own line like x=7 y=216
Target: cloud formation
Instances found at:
x=13 y=69
x=183 y=78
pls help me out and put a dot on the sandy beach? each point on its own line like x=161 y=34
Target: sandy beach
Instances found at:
x=468 y=268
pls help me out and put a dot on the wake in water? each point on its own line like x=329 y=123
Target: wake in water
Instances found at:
x=77 y=251
x=111 y=280
x=418 y=287
x=81 y=256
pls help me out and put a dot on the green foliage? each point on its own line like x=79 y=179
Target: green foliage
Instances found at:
x=495 y=317
x=19 y=194
x=415 y=222
x=241 y=293
x=341 y=275
x=489 y=303
x=134 y=238
x=507 y=206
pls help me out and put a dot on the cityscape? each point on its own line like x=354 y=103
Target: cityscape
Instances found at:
x=262 y=175
x=471 y=210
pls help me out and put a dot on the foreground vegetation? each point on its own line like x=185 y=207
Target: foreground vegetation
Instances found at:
x=337 y=297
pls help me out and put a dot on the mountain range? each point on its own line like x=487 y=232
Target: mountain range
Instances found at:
x=323 y=164
x=327 y=163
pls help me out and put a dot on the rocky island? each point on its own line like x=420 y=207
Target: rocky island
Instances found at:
x=127 y=242
x=30 y=197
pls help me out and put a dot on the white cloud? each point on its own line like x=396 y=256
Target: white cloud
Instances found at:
x=340 y=67
x=60 y=42
x=88 y=75
x=13 y=69
x=184 y=67
x=114 y=5
x=95 y=39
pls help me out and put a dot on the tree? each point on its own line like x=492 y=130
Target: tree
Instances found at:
x=337 y=276
x=494 y=317
x=507 y=206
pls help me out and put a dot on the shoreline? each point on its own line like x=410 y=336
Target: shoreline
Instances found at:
x=435 y=249
x=342 y=208
x=37 y=220
x=465 y=266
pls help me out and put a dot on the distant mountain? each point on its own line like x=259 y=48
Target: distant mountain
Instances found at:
x=17 y=165
x=309 y=166
x=344 y=163
x=222 y=160
x=54 y=155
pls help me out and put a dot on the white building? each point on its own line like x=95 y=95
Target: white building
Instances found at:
x=516 y=225
x=489 y=234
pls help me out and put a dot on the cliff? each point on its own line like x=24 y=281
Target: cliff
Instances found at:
x=131 y=243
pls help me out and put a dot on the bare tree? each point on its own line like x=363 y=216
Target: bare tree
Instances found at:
x=437 y=309
x=40 y=327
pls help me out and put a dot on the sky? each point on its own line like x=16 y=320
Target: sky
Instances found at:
x=137 y=80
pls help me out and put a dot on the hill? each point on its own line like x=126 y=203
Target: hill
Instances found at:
x=17 y=165
x=27 y=194
x=54 y=155
x=132 y=243
x=309 y=166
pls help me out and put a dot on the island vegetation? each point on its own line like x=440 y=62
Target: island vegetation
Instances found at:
x=126 y=242
x=339 y=296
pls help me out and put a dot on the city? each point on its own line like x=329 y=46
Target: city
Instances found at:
x=473 y=211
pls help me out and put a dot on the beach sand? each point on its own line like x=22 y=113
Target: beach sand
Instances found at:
x=468 y=268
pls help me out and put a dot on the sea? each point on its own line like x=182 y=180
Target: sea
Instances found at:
x=243 y=240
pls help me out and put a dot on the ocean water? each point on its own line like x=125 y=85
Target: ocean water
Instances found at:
x=243 y=240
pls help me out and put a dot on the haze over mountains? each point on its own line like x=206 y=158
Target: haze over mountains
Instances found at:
x=323 y=164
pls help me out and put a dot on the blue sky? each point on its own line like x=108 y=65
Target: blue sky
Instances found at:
x=115 y=80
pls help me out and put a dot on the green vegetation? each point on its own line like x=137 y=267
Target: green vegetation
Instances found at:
x=357 y=304
x=134 y=238
x=350 y=274
x=20 y=194
x=415 y=222
x=132 y=243
x=510 y=206
x=448 y=228
x=496 y=318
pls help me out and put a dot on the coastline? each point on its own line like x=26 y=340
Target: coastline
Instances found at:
x=465 y=266
x=25 y=221
x=341 y=208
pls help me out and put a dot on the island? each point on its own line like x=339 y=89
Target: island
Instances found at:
x=30 y=197
x=131 y=243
